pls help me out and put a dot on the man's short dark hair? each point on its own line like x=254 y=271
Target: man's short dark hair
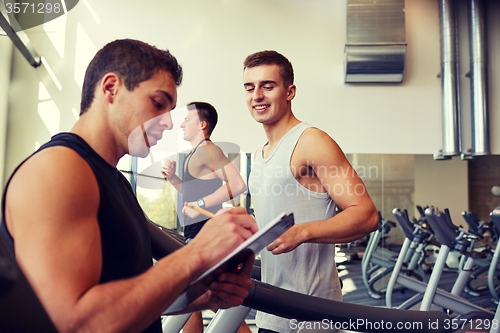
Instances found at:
x=207 y=113
x=272 y=58
x=133 y=61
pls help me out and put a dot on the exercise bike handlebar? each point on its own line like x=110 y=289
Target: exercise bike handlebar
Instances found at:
x=469 y=234
x=410 y=230
x=423 y=230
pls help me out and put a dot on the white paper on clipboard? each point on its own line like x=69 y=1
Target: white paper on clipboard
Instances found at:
x=254 y=244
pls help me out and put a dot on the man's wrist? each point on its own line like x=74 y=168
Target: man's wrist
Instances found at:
x=198 y=262
x=201 y=203
x=304 y=232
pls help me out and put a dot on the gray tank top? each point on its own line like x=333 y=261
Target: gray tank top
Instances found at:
x=310 y=268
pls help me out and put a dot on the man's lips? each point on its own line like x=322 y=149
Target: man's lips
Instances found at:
x=261 y=107
x=150 y=139
x=154 y=140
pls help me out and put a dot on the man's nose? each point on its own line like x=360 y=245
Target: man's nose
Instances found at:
x=258 y=94
x=166 y=121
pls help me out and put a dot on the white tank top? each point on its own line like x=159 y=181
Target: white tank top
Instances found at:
x=310 y=268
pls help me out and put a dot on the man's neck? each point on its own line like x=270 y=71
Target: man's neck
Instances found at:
x=95 y=134
x=198 y=139
x=277 y=130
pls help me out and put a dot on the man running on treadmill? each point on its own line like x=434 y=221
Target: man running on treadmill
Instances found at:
x=205 y=168
x=78 y=232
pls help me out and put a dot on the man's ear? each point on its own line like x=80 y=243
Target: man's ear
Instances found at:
x=109 y=86
x=291 y=92
x=203 y=125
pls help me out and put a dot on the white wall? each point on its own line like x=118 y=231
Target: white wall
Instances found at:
x=211 y=38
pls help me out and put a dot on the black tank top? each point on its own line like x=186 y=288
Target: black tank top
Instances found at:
x=193 y=189
x=125 y=240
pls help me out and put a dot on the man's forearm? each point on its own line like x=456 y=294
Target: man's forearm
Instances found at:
x=347 y=226
x=222 y=194
x=176 y=182
x=132 y=304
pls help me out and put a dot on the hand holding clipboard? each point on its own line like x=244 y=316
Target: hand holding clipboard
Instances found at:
x=252 y=245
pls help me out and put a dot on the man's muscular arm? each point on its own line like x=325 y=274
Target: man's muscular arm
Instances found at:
x=224 y=170
x=51 y=212
x=318 y=151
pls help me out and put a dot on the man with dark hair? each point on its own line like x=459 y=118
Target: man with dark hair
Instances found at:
x=138 y=64
x=77 y=230
x=301 y=169
x=207 y=113
x=204 y=170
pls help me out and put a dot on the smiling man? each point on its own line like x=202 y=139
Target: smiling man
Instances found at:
x=291 y=173
x=77 y=230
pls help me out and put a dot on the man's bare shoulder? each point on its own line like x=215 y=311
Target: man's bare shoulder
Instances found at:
x=315 y=141
x=51 y=212
x=54 y=178
x=210 y=152
x=50 y=162
x=212 y=147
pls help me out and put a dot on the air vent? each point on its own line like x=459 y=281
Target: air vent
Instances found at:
x=376 y=47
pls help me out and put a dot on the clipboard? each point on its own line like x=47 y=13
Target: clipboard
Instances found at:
x=230 y=263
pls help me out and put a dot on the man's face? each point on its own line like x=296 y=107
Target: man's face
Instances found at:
x=267 y=99
x=147 y=112
x=191 y=125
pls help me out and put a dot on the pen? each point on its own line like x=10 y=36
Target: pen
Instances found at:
x=200 y=210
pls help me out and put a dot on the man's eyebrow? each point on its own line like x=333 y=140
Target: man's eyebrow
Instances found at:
x=264 y=82
x=168 y=96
